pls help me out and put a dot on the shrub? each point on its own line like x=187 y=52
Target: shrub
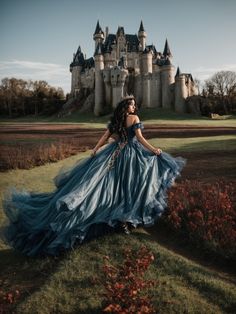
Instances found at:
x=6 y=299
x=124 y=284
x=205 y=214
x=27 y=156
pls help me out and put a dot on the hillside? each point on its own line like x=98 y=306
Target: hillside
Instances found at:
x=65 y=284
x=185 y=282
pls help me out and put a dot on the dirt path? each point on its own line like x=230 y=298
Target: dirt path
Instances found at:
x=88 y=137
x=75 y=130
x=209 y=166
x=200 y=165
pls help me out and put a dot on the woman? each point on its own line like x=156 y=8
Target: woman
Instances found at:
x=122 y=182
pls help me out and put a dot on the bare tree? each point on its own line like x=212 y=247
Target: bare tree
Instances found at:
x=198 y=85
x=223 y=86
x=223 y=83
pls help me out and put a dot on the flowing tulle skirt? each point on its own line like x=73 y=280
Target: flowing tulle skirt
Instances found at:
x=122 y=183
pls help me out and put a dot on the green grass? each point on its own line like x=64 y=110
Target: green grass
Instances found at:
x=148 y=116
x=36 y=179
x=196 y=144
x=40 y=178
x=64 y=285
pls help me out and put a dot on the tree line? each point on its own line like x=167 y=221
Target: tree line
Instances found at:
x=220 y=91
x=19 y=98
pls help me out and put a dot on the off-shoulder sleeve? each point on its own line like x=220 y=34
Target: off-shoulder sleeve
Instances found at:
x=138 y=125
x=110 y=127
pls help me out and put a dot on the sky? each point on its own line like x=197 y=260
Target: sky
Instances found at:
x=38 y=38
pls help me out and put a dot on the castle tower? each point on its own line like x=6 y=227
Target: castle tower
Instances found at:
x=118 y=77
x=156 y=99
x=180 y=92
x=107 y=81
x=167 y=78
x=142 y=35
x=146 y=61
x=138 y=89
x=125 y=63
x=75 y=68
x=99 y=86
x=146 y=71
x=98 y=35
x=184 y=87
x=121 y=43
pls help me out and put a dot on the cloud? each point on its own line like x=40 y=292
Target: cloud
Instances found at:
x=55 y=74
x=203 y=73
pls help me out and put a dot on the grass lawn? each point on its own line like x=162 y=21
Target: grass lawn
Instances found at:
x=150 y=116
x=196 y=144
x=40 y=178
x=65 y=285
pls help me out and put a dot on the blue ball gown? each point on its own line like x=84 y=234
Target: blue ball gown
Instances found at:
x=123 y=182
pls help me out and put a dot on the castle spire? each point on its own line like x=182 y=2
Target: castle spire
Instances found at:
x=141 y=28
x=78 y=50
x=98 y=29
x=79 y=57
x=98 y=35
x=177 y=72
x=167 y=51
x=142 y=37
x=120 y=31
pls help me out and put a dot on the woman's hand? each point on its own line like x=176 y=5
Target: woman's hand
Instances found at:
x=93 y=153
x=157 y=151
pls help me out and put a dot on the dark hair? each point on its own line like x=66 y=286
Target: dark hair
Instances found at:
x=118 y=119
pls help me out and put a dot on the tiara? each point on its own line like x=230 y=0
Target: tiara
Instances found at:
x=128 y=97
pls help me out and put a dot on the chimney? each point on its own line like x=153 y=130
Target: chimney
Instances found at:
x=106 y=32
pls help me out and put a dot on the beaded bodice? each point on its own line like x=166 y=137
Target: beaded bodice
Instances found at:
x=131 y=129
x=121 y=144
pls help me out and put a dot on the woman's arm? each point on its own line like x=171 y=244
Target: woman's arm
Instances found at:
x=143 y=141
x=101 y=142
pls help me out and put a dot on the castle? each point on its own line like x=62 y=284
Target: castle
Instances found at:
x=125 y=64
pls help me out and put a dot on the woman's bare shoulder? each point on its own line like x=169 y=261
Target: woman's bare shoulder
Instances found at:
x=131 y=119
x=134 y=118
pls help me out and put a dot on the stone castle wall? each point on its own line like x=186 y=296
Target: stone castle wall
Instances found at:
x=147 y=74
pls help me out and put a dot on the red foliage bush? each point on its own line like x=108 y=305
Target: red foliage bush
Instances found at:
x=124 y=284
x=204 y=213
x=6 y=299
x=27 y=155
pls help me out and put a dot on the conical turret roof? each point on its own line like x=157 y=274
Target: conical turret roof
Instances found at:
x=78 y=50
x=167 y=51
x=141 y=28
x=120 y=31
x=79 y=57
x=177 y=72
x=98 y=29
